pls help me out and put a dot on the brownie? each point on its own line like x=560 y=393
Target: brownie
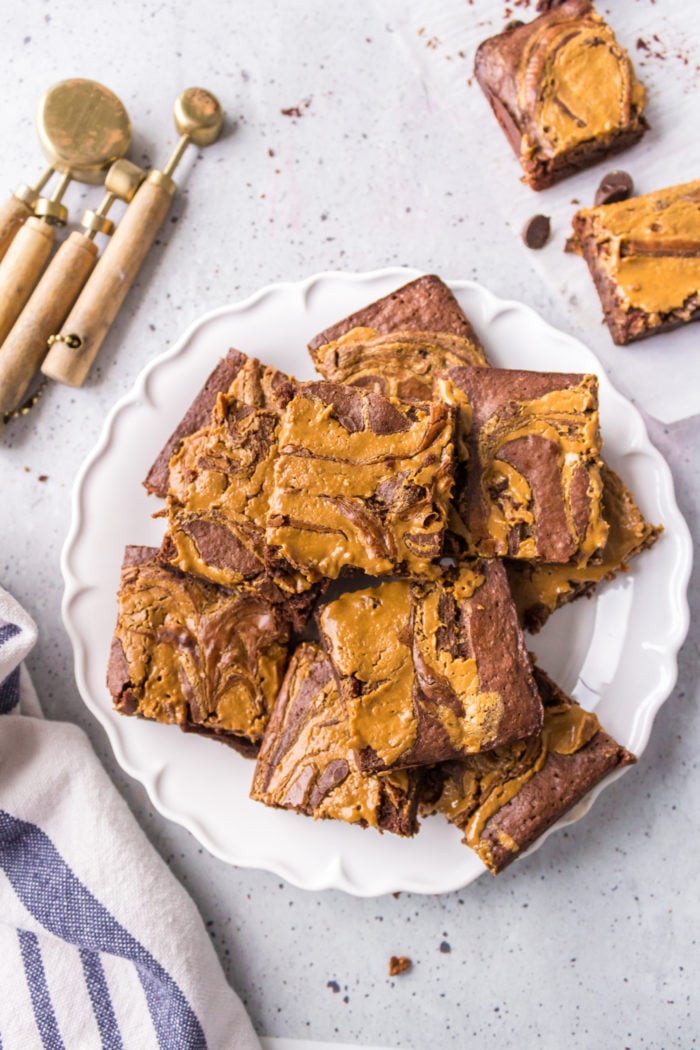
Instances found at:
x=396 y=364
x=219 y=487
x=425 y=304
x=563 y=90
x=188 y=652
x=644 y=257
x=306 y=762
x=243 y=377
x=539 y=589
x=431 y=671
x=505 y=799
x=533 y=485
x=360 y=482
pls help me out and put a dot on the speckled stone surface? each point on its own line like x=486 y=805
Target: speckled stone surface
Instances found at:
x=338 y=159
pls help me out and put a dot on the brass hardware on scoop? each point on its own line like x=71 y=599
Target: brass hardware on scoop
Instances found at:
x=15 y=212
x=83 y=128
x=198 y=119
x=28 y=341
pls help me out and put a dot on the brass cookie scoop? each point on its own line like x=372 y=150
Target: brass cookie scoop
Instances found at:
x=83 y=129
x=28 y=341
x=198 y=119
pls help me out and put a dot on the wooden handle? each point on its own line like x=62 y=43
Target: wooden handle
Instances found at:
x=90 y=319
x=23 y=350
x=13 y=214
x=21 y=269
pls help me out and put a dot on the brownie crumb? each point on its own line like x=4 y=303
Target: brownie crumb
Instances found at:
x=43 y=477
x=333 y=985
x=399 y=964
x=445 y=947
x=536 y=231
x=296 y=111
x=573 y=246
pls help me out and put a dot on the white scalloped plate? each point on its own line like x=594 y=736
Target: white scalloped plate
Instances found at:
x=616 y=653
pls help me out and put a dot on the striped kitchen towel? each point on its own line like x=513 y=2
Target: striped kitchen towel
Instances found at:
x=99 y=944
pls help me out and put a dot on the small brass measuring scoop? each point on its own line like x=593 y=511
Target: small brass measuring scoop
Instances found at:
x=83 y=129
x=59 y=287
x=198 y=119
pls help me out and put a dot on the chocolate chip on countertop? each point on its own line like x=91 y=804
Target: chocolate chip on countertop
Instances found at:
x=615 y=186
x=536 y=231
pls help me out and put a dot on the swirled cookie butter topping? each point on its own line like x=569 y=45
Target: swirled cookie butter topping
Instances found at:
x=313 y=768
x=197 y=654
x=409 y=657
x=361 y=481
x=398 y=364
x=533 y=485
x=220 y=481
x=650 y=247
x=575 y=83
x=486 y=783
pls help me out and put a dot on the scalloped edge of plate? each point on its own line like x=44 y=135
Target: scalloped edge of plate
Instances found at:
x=333 y=875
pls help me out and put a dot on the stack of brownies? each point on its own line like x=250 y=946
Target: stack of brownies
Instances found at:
x=348 y=567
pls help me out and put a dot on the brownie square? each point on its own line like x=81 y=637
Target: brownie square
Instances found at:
x=194 y=654
x=533 y=486
x=539 y=589
x=563 y=90
x=425 y=304
x=431 y=671
x=644 y=257
x=306 y=762
x=396 y=364
x=243 y=377
x=219 y=486
x=361 y=482
x=504 y=800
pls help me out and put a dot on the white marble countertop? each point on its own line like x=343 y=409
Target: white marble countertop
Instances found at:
x=592 y=940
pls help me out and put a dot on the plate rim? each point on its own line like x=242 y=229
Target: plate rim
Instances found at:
x=333 y=875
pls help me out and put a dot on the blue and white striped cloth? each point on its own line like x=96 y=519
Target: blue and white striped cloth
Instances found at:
x=99 y=944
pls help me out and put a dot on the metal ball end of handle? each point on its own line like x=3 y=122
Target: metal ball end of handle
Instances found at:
x=199 y=116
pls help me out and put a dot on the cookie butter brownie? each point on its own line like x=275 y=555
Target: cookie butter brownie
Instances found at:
x=242 y=377
x=306 y=762
x=504 y=800
x=431 y=671
x=219 y=487
x=563 y=90
x=188 y=652
x=423 y=305
x=360 y=482
x=539 y=589
x=533 y=485
x=644 y=257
